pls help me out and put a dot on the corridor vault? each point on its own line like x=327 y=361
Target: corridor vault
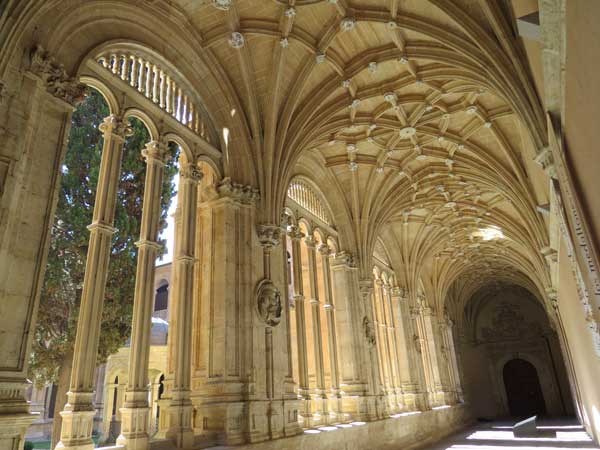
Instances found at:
x=359 y=181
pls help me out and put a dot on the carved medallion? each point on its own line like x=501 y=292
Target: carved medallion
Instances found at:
x=268 y=303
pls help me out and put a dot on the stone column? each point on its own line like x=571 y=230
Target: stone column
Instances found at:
x=134 y=415
x=390 y=332
x=315 y=309
x=374 y=356
x=78 y=414
x=422 y=374
x=179 y=410
x=331 y=331
x=433 y=353
x=404 y=356
x=296 y=235
x=383 y=349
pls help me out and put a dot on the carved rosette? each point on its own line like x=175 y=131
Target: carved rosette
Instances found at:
x=57 y=81
x=269 y=235
x=268 y=303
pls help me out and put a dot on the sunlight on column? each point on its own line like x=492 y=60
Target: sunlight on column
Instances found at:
x=169 y=233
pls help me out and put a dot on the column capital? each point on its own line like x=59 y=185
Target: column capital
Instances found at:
x=366 y=287
x=156 y=152
x=55 y=78
x=102 y=228
x=310 y=242
x=245 y=194
x=116 y=126
x=294 y=233
x=190 y=173
x=399 y=292
x=343 y=259
x=324 y=250
x=269 y=235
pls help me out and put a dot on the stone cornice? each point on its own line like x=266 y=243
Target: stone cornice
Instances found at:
x=58 y=83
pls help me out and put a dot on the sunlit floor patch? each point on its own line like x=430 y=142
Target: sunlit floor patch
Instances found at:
x=561 y=436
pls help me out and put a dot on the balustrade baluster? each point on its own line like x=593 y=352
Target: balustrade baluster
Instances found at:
x=123 y=67
x=161 y=90
x=141 y=75
x=133 y=77
x=173 y=99
x=178 y=115
x=148 y=70
x=155 y=84
x=113 y=63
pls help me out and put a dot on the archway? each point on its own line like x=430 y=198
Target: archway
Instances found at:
x=523 y=389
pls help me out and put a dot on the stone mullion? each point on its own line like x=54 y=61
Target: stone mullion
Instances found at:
x=330 y=317
x=383 y=327
x=180 y=405
x=134 y=425
x=79 y=411
x=315 y=307
x=303 y=386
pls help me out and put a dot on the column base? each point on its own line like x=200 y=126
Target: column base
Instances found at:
x=76 y=431
x=13 y=428
x=179 y=424
x=134 y=428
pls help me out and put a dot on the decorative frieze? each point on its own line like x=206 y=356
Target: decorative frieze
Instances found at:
x=57 y=81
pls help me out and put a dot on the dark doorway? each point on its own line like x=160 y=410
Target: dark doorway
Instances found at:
x=523 y=389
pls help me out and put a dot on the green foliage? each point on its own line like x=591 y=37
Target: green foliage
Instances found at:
x=28 y=445
x=61 y=292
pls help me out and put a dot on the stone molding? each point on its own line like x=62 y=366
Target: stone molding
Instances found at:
x=245 y=194
x=58 y=83
x=343 y=259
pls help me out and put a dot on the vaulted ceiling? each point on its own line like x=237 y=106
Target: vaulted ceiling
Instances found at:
x=418 y=116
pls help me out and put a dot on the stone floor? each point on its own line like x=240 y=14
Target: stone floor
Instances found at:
x=554 y=434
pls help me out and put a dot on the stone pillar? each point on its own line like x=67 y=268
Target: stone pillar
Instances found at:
x=421 y=372
x=179 y=410
x=318 y=395
x=134 y=414
x=383 y=348
x=374 y=358
x=390 y=335
x=331 y=329
x=433 y=354
x=303 y=388
x=35 y=109
x=228 y=389
x=78 y=414
x=404 y=349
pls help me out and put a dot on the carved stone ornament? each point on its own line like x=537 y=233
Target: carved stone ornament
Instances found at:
x=243 y=193
x=117 y=126
x=417 y=342
x=223 y=5
x=268 y=303
x=269 y=235
x=191 y=172
x=58 y=82
x=236 y=40
x=369 y=332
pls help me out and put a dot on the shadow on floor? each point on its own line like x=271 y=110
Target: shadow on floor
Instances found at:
x=555 y=434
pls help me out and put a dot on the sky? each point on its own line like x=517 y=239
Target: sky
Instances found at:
x=169 y=232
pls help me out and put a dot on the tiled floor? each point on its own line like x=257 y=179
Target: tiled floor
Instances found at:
x=554 y=434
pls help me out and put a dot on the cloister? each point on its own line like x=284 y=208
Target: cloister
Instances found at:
x=386 y=222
